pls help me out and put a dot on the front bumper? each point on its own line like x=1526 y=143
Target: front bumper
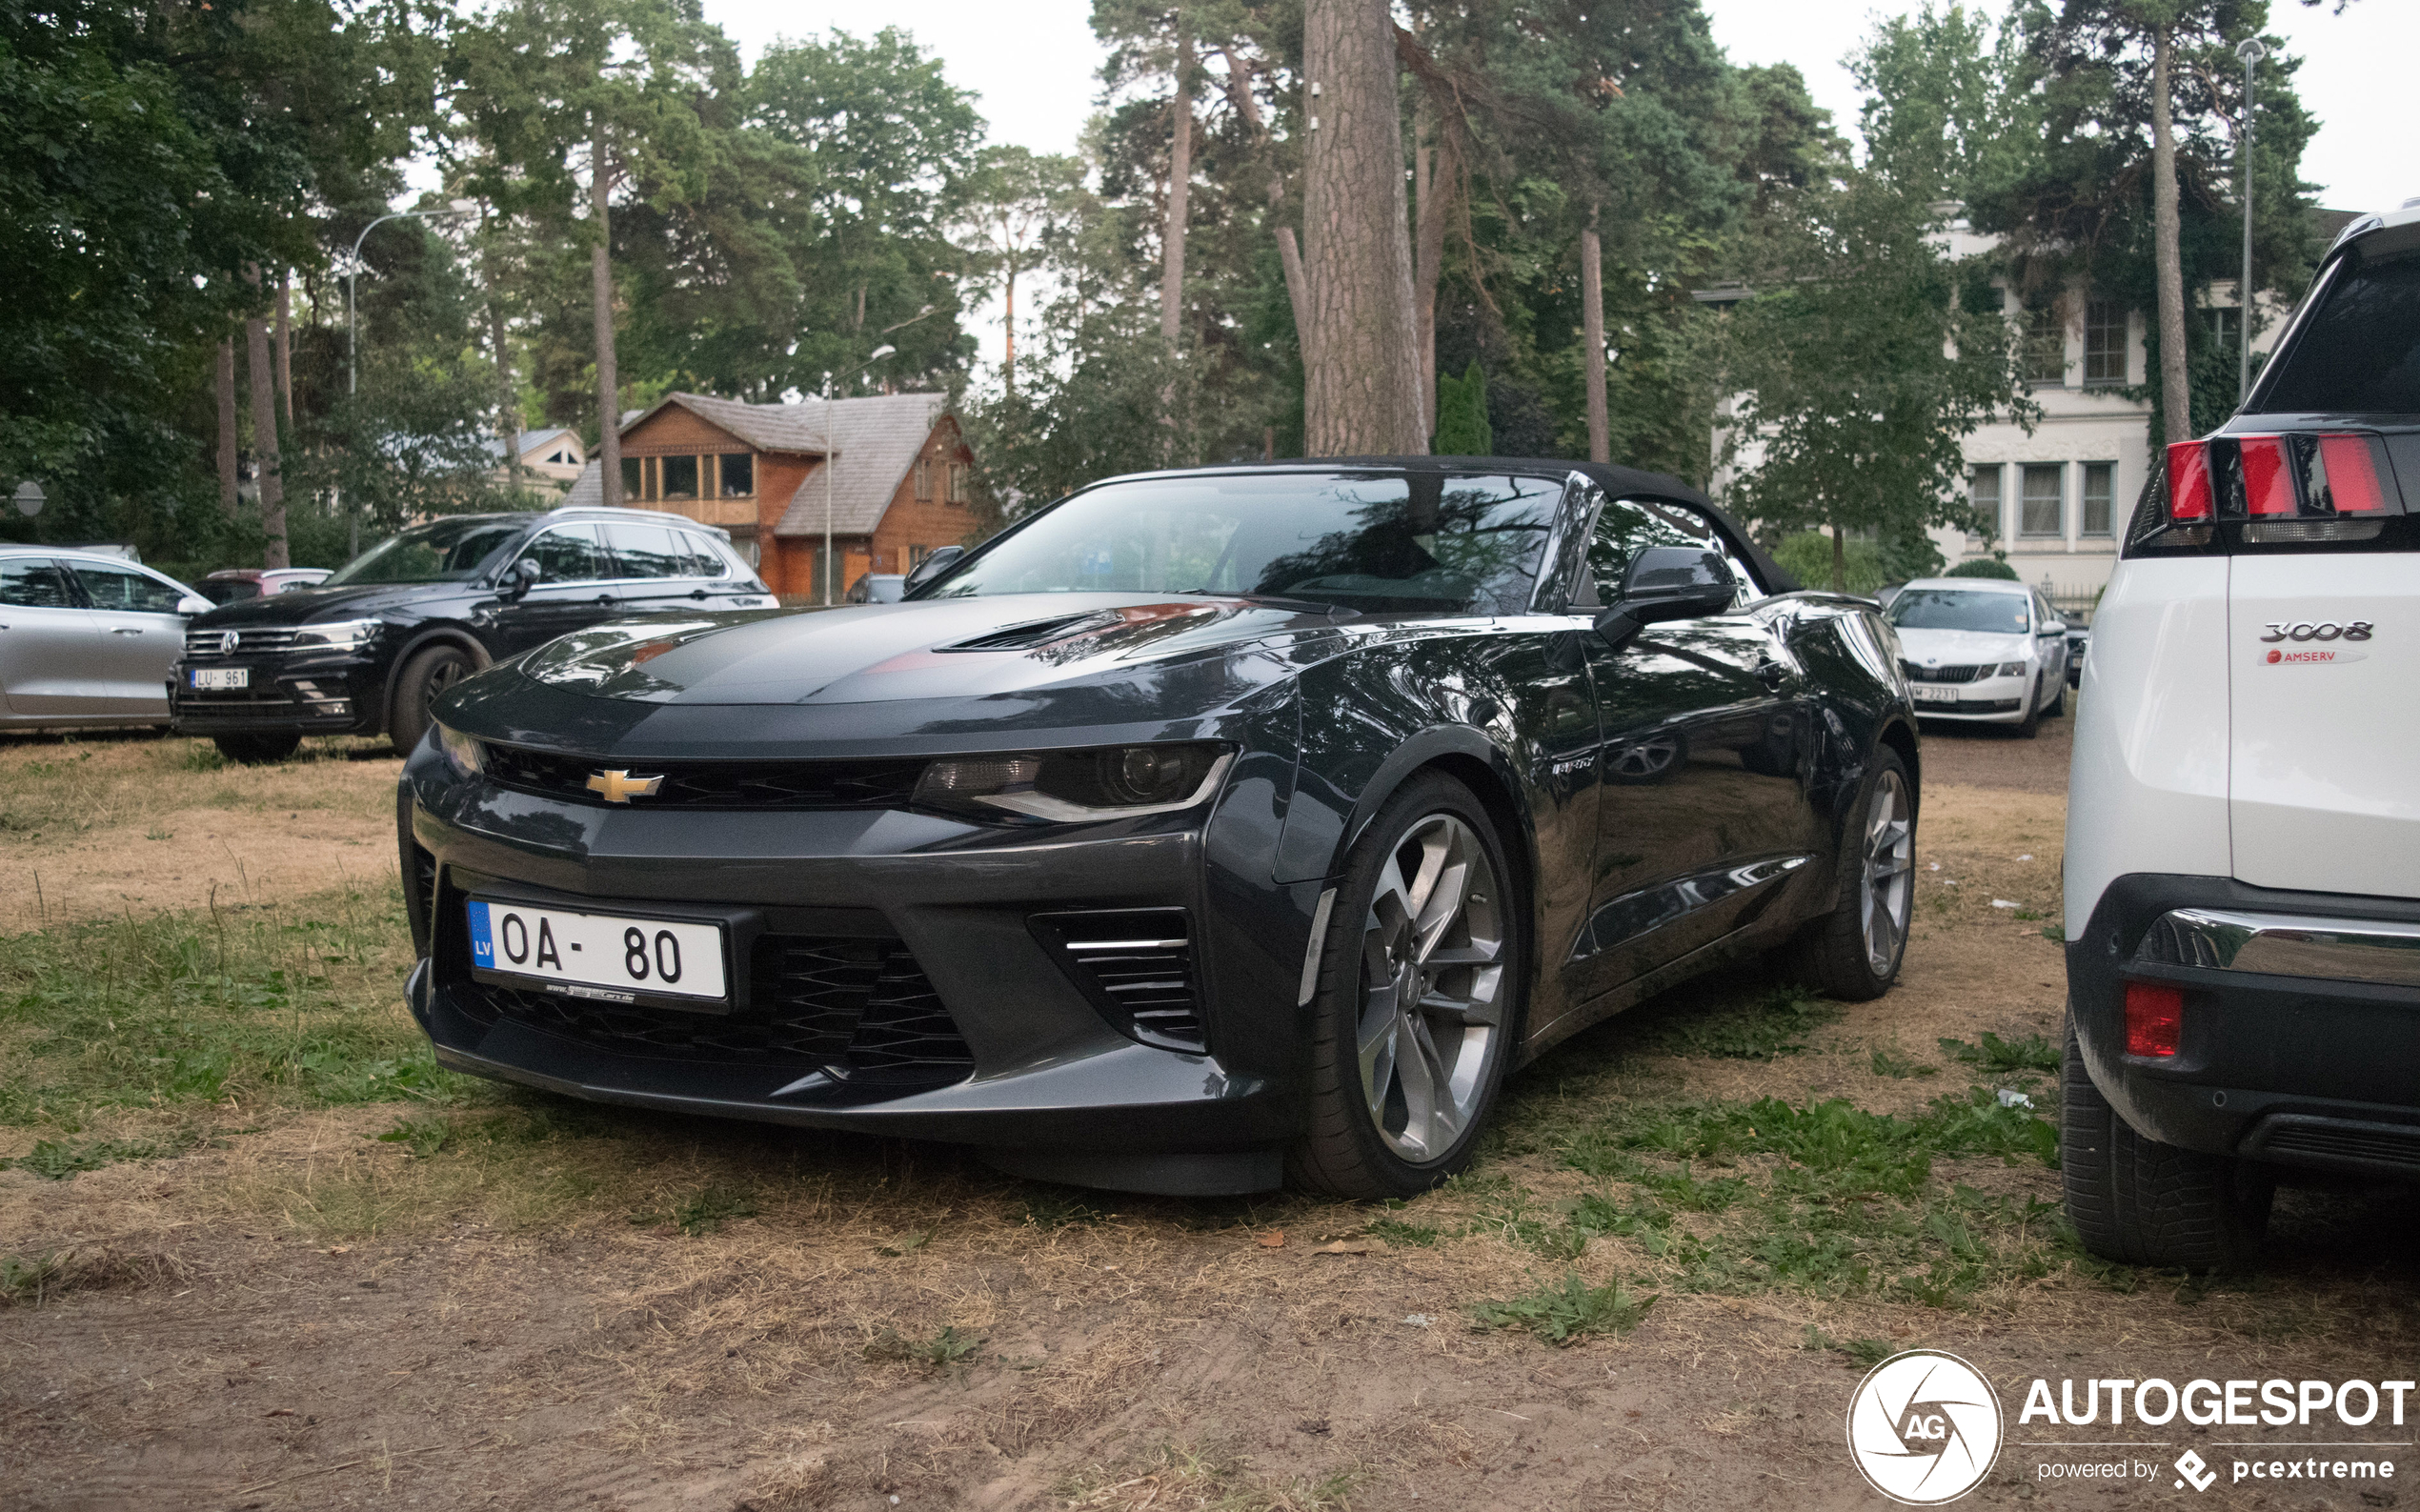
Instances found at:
x=1020 y=1062
x=323 y=695
x=2302 y=1021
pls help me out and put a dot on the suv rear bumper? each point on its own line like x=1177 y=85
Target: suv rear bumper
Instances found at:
x=2301 y=1037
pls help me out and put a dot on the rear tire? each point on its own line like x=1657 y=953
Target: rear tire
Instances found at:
x=1854 y=952
x=1419 y=1001
x=2140 y=1203
x=2031 y=724
x=258 y=750
x=416 y=687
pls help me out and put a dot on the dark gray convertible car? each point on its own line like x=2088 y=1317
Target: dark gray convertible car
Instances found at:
x=1204 y=829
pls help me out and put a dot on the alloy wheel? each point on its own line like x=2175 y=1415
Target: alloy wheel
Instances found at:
x=1889 y=881
x=1433 y=987
x=448 y=671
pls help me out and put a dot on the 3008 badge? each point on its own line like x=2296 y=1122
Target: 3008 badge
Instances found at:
x=2322 y=630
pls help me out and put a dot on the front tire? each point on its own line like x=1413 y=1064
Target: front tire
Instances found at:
x=2141 y=1202
x=266 y=749
x=2058 y=709
x=416 y=687
x=2031 y=724
x=1854 y=952
x=1419 y=996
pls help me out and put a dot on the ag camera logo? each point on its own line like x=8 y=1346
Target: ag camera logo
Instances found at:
x=1924 y=1427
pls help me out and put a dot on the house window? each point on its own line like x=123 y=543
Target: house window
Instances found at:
x=925 y=480
x=2045 y=346
x=2224 y=324
x=738 y=475
x=2039 y=503
x=1982 y=491
x=634 y=477
x=917 y=554
x=680 y=476
x=2104 y=342
x=2100 y=497
x=958 y=484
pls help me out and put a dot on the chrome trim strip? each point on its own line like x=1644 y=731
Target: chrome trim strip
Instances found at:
x=1318 y=943
x=2369 y=950
x=1125 y=944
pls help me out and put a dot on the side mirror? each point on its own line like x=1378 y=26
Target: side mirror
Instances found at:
x=193 y=604
x=519 y=579
x=1668 y=582
x=932 y=567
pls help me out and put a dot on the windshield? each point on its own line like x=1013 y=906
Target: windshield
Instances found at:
x=1415 y=542
x=2361 y=352
x=439 y=552
x=1957 y=609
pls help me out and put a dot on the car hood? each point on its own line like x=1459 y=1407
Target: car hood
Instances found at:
x=296 y=606
x=1961 y=648
x=943 y=649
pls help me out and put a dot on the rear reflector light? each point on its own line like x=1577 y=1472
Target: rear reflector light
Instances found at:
x=2268 y=489
x=2189 y=481
x=2154 y=1019
x=2345 y=479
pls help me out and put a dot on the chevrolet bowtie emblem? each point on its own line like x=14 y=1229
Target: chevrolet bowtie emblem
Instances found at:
x=620 y=787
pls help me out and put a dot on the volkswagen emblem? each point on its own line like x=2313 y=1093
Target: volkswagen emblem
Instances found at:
x=227 y=642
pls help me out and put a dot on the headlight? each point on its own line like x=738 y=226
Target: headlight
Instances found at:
x=466 y=756
x=1065 y=786
x=338 y=634
x=2014 y=669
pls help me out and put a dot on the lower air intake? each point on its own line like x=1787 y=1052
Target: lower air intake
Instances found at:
x=1136 y=966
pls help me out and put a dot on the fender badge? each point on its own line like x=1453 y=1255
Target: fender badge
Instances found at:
x=2312 y=658
x=620 y=787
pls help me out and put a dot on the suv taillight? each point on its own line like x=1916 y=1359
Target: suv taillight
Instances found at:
x=2309 y=476
x=2189 y=481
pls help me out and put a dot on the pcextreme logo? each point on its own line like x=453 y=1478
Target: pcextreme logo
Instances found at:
x=1924 y=1427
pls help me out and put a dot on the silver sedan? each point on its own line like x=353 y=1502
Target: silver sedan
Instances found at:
x=87 y=640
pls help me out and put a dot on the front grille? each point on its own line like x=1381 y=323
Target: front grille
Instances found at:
x=1136 y=965
x=1916 y=674
x=716 y=784
x=860 y=1009
x=208 y=645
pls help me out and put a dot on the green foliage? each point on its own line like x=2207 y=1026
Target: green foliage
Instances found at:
x=703 y=1211
x=1996 y=1055
x=1807 y=556
x=28 y=1277
x=1461 y=415
x=56 y=1160
x=1982 y=567
x=424 y=1135
x=1771 y=1025
x=1887 y=1064
x=948 y=1348
x=1862 y=1354
x=1060 y=1207
x=1566 y=1312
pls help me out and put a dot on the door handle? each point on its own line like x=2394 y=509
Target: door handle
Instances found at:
x=697 y=593
x=604 y=598
x=126 y=630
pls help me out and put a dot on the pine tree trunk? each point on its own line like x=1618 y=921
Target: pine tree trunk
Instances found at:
x=261 y=366
x=2176 y=394
x=1172 y=240
x=1434 y=171
x=609 y=388
x=1592 y=355
x=230 y=474
x=1362 y=395
x=1008 y=327
x=1297 y=289
x=1840 y=563
x=508 y=402
x=284 y=347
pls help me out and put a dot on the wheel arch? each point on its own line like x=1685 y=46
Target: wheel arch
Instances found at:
x=422 y=639
x=1900 y=735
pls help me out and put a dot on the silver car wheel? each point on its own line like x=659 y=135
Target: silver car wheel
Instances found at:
x=1890 y=848
x=1432 y=987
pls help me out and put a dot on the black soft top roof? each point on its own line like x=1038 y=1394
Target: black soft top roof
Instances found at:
x=1617 y=482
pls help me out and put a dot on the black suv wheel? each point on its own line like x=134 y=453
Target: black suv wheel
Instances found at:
x=428 y=674
x=2142 y=1203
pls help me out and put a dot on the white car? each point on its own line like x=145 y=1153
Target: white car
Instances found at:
x=2243 y=849
x=87 y=639
x=1981 y=650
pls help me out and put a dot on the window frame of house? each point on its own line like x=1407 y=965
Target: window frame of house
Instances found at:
x=2226 y=323
x=2025 y=499
x=2106 y=474
x=724 y=461
x=2045 y=347
x=1997 y=513
x=2104 y=332
x=956 y=482
x=925 y=480
x=917 y=555
x=634 y=477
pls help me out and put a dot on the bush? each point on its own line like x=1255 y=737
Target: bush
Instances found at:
x=1807 y=556
x=1983 y=567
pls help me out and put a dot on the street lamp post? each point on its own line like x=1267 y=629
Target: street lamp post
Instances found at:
x=2251 y=50
x=875 y=356
x=353 y=321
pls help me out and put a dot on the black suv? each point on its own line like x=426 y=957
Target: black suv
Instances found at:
x=367 y=649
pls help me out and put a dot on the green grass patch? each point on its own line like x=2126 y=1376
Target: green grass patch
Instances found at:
x=704 y=1211
x=1774 y=1022
x=60 y=1159
x=29 y=1278
x=1568 y=1311
x=1862 y=1354
x=1998 y=1057
x=946 y=1348
x=1888 y=1063
x=298 y=1004
x=1060 y=1207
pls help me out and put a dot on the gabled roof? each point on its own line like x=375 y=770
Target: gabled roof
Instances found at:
x=766 y=427
x=875 y=438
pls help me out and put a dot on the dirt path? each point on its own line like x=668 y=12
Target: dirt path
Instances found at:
x=545 y=1305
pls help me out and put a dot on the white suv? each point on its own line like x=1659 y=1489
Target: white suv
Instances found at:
x=2242 y=855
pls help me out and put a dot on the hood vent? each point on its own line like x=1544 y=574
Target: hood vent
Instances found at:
x=1136 y=966
x=1040 y=633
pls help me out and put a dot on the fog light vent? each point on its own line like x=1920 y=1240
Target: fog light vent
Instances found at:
x=1137 y=967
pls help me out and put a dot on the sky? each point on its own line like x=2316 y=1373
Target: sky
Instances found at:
x=1034 y=63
